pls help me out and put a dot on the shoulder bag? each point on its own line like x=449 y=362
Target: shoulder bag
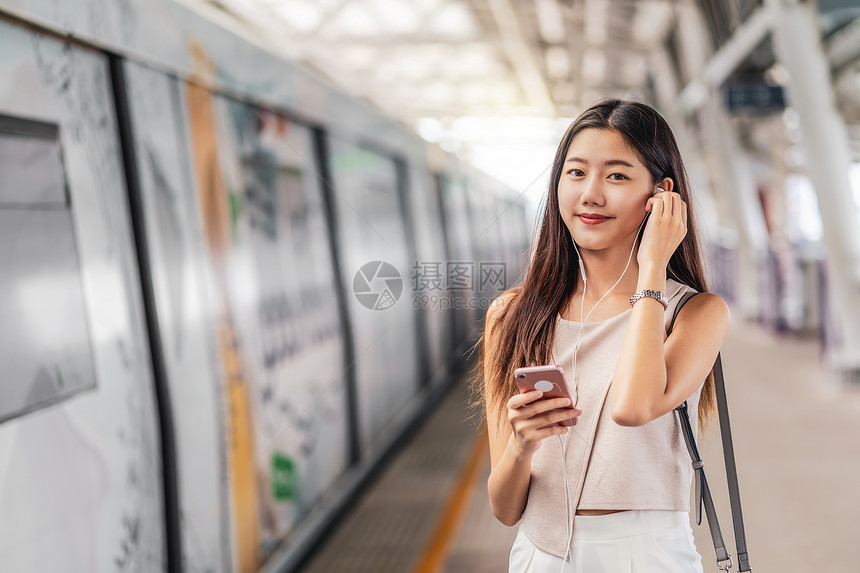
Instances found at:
x=703 y=494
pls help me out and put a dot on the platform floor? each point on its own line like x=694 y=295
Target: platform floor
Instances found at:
x=797 y=446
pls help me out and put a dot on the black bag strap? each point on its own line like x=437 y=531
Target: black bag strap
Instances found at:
x=703 y=493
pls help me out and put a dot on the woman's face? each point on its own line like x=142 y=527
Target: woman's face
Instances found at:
x=603 y=190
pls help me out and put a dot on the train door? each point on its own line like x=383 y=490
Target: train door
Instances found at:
x=376 y=268
x=428 y=273
x=185 y=318
x=456 y=210
x=80 y=462
x=278 y=284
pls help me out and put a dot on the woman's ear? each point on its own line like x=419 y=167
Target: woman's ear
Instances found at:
x=666 y=184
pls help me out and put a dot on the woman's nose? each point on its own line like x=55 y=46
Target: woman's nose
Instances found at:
x=592 y=192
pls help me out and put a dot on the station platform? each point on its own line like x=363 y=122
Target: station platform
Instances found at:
x=795 y=438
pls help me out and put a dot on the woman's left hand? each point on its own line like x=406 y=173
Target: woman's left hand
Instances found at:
x=665 y=229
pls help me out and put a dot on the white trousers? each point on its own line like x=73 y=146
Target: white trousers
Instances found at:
x=633 y=541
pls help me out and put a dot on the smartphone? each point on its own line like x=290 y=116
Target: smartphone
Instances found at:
x=548 y=379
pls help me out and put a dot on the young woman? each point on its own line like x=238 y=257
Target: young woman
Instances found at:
x=611 y=493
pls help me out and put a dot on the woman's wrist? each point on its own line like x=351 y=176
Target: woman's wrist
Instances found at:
x=518 y=452
x=652 y=276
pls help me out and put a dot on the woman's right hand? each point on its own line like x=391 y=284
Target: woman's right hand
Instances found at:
x=534 y=419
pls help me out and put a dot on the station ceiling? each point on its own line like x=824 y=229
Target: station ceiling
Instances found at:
x=454 y=69
x=450 y=58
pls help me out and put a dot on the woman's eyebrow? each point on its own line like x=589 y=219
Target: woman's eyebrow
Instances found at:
x=608 y=162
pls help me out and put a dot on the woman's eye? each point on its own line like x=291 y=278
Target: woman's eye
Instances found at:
x=576 y=172
x=620 y=177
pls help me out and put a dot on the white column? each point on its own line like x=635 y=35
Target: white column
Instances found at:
x=730 y=205
x=797 y=44
x=738 y=196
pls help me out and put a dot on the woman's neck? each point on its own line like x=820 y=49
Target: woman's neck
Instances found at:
x=604 y=268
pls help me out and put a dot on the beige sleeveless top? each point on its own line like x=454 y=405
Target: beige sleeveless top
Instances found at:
x=608 y=466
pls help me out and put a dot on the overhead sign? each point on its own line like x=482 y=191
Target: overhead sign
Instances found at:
x=754 y=97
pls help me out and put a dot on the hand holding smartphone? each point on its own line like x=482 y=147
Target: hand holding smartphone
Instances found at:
x=548 y=379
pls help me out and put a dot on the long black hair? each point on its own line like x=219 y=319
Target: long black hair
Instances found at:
x=523 y=329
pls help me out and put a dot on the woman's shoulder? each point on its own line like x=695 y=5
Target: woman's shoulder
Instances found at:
x=706 y=306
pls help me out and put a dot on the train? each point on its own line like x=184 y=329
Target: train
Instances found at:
x=229 y=290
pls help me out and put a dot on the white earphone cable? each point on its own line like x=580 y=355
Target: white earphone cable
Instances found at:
x=568 y=497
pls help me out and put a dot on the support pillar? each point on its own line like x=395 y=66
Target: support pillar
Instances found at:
x=797 y=43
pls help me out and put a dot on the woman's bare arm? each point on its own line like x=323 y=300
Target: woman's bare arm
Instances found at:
x=510 y=474
x=654 y=375
x=526 y=423
x=514 y=436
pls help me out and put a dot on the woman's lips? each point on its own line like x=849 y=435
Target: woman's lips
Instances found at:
x=592 y=219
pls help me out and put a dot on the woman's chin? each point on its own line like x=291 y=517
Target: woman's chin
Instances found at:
x=590 y=244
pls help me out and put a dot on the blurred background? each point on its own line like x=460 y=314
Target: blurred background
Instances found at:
x=248 y=246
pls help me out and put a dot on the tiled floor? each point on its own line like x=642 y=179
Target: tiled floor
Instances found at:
x=389 y=529
x=797 y=446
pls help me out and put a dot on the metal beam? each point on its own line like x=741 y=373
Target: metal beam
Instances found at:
x=726 y=60
x=520 y=54
x=575 y=43
x=326 y=18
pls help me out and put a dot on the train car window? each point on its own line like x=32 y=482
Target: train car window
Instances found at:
x=45 y=350
x=31 y=171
